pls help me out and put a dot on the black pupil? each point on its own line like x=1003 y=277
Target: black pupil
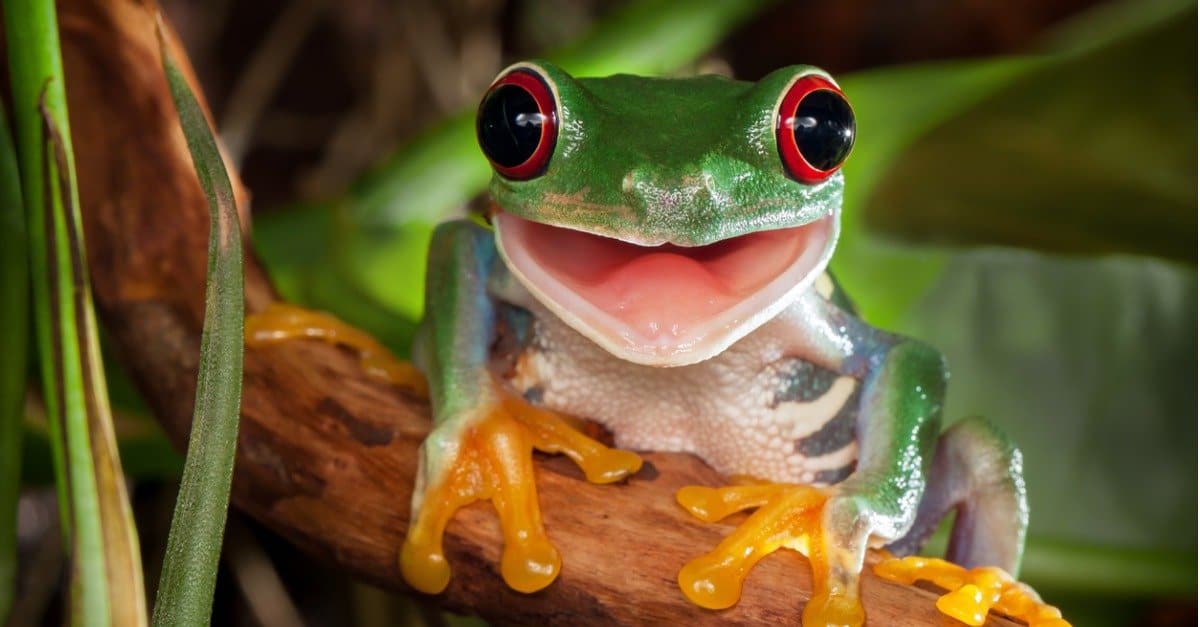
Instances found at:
x=824 y=129
x=510 y=125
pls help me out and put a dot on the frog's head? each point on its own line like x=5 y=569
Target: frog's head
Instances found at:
x=665 y=218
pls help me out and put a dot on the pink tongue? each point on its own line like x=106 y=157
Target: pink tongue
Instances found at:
x=662 y=293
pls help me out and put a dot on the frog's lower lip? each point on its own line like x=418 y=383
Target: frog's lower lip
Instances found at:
x=664 y=305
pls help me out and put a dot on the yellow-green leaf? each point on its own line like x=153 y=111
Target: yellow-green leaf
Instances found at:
x=106 y=576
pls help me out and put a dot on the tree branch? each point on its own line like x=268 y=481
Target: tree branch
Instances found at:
x=327 y=455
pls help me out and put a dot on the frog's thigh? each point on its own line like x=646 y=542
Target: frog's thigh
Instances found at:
x=976 y=470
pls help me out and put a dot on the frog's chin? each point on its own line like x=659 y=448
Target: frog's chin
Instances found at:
x=665 y=305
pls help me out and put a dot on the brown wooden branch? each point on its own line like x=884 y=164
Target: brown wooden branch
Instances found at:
x=326 y=455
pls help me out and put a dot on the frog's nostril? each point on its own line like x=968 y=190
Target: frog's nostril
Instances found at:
x=671 y=196
x=642 y=189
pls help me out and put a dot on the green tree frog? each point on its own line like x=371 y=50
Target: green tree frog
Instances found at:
x=657 y=262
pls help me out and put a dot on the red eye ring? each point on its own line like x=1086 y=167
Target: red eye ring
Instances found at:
x=503 y=124
x=790 y=151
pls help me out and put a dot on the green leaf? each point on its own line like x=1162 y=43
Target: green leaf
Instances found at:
x=14 y=337
x=1090 y=366
x=903 y=170
x=185 y=590
x=106 y=577
x=1079 y=154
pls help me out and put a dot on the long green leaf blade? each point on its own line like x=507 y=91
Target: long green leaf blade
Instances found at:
x=14 y=329
x=189 y=574
x=106 y=576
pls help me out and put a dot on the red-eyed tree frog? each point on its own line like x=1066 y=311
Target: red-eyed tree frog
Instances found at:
x=657 y=262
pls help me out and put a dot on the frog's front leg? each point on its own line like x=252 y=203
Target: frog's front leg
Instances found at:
x=898 y=420
x=484 y=434
x=905 y=481
x=900 y=415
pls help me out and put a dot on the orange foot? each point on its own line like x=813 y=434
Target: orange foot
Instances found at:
x=788 y=516
x=973 y=592
x=281 y=322
x=492 y=459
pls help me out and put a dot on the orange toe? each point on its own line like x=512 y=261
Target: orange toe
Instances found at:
x=787 y=516
x=974 y=592
x=281 y=322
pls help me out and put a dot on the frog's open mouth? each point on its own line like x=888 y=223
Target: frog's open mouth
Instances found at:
x=664 y=305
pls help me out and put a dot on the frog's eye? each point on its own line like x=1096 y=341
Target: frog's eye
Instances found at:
x=814 y=129
x=517 y=124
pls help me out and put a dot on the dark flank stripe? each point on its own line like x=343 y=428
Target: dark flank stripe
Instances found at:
x=517 y=322
x=802 y=381
x=534 y=394
x=513 y=337
x=835 y=434
x=834 y=475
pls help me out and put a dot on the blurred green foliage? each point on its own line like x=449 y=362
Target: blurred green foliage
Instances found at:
x=14 y=337
x=1079 y=153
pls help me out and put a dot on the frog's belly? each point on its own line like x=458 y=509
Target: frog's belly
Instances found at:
x=751 y=410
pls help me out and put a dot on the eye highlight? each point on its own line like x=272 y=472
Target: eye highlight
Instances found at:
x=517 y=124
x=814 y=129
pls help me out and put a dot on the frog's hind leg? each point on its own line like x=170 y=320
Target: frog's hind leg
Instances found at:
x=977 y=471
x=285 y=322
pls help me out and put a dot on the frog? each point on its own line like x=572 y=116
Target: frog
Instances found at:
x=655 y=259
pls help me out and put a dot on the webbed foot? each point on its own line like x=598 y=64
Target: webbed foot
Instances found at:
x=281 y=322
x=788 y=516
x=973 y=592
x=490 y=457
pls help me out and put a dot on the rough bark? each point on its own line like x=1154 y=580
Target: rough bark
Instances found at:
x=326 y=455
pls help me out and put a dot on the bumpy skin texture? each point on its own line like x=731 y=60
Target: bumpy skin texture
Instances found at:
x=759 y=409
